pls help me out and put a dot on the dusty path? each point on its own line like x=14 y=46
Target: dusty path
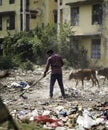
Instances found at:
x=39 y=94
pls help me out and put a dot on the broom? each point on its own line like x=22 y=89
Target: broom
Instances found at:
x=33 y=84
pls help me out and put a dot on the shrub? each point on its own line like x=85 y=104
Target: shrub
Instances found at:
x=6 y=62
x=27 y=65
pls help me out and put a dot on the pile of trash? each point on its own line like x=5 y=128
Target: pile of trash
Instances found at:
x=56 y=114
x=67 y=117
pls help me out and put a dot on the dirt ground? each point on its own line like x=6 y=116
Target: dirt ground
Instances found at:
x=37 y=96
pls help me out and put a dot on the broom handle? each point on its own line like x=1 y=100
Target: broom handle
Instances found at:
x=40 y=79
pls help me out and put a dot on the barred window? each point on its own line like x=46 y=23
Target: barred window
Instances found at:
x=75 y=16
x=11 y=1
x=11 y=22
x=0 y=23
x=97 y=14
x=95 y=49
x=0 y=2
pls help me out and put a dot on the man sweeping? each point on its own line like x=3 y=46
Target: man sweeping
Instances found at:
x=55 y=62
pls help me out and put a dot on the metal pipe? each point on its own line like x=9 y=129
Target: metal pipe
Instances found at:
x=24 y=16
x=58 y=18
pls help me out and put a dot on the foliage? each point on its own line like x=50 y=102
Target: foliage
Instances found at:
x=18 y=47
x=6 y=62
x=74 y=56
x=23 y=49
x=27 y=65
x=32 y=46
x=48 y=40
x=79 y=59
x=64 y=40
x=7 y=44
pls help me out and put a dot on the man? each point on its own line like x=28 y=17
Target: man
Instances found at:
x=55 y=62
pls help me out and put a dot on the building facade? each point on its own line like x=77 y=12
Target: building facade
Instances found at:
x=25 y=15
x=89 y=19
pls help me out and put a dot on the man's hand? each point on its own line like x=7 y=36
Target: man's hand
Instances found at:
x=44 y=75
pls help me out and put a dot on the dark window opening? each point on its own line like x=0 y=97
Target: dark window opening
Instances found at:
x=1 y=50
x=55 y=16
x=0 y=2
x=27 y=22
x=75 y=16
x=11 y=22
x=27 y=5
x=74 y=45
x=11 y=1
x=95 y=49
x=33 y=15
x=21 y=5
x=21 y=22
x=0 y=23
x=97 y=14
x=55 y=0
x=43 y=25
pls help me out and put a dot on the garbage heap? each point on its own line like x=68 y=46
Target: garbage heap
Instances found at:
x=67 y=117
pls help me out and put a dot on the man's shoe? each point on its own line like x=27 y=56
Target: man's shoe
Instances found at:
x=63 y=97
x=51 y=97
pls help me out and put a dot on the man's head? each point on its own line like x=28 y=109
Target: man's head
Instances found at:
x=50 y=52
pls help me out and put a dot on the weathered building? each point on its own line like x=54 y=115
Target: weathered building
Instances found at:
x=89 y=19
x=25 y=15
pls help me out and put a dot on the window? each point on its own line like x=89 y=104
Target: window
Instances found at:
x=75 y=16
x=11 y=22
x=95 y=49
x=33 y=15
x=0 y=23
x=43 y=25
x=11 y=1
x=0 y=2
x=97 y=14
x=27 y=22
x=21 y=5
x=21 y=22
x=1 y=49
x=55 y=16
x=74 y=44
x=27 y=5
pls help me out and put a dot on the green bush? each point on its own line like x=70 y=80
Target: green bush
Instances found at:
x=6 y=62
x=27 y=65
x=27 y=47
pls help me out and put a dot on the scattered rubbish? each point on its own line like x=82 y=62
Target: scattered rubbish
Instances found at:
x=22 y=85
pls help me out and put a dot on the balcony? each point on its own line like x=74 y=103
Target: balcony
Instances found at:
x=83 y=2
x=5 y=13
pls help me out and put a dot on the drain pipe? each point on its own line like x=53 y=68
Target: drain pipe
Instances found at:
x=24 y=15
x=58 y=18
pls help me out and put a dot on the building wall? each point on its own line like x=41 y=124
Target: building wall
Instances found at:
x=85 y=27
x=10 y=7
x=46 y=12
x=44 y=16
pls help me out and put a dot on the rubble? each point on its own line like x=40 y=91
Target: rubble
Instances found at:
x=83 y=109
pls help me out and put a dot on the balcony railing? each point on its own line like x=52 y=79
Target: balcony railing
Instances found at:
x=4 y=13
x=80 y=2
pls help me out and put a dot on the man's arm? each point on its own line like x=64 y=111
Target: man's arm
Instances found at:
x=47 y=67
x=62 y=62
